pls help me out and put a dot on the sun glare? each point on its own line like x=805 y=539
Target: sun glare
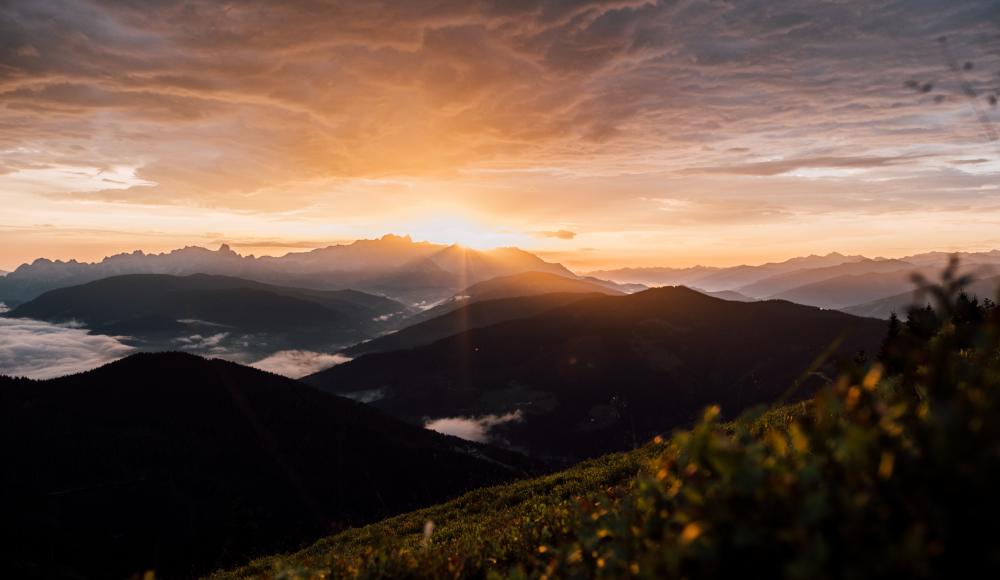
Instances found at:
x=454 y=229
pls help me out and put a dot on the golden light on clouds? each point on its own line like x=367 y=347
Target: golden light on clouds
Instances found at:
x=595 y=133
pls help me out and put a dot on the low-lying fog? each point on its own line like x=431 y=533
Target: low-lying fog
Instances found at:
x=43 y=350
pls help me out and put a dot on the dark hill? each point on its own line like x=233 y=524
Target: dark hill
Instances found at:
x=604 y=373
x=159 y=308
x=467 y=317
x=178 y=464
x=523 y=284
x=533 y=283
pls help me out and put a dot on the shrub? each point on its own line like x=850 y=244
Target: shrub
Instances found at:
x=886 y=476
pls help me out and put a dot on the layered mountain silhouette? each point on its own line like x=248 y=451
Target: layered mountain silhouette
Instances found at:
x=475 y=314
x=496 y=300
x=394 y=266
x=522 y=284
x=178 y=464
x=728 y=295
x=605 y=373
x=774 y=286
x=844 y=291
x=834 y=281
x=533 y=283
x=714 y=279
x=424 y=274
x=160 y=309
x=900 y=303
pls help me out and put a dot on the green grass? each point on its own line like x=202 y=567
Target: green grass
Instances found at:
x=489 y=527
x=483 y=532
x=889 y=472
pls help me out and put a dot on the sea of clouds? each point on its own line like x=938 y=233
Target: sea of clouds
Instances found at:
x=42 y=350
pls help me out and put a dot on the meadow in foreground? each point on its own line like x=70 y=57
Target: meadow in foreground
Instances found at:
x=889 y=472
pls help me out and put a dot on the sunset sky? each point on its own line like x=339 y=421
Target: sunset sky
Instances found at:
x=594 y=133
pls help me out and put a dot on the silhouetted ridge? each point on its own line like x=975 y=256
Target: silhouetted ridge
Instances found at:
x=396 y=266
x=604 y=373
x=466 y=317
x=179 y=464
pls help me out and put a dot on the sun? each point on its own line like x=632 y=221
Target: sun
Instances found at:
x=464 y=231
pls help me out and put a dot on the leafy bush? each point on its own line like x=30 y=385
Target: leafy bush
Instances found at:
x=885 y=477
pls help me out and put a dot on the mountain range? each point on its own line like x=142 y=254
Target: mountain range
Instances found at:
x=599 y=373
x=900 y=303
x=833 y=281
x=178 y=464
x=424 y=275
x=395 y=266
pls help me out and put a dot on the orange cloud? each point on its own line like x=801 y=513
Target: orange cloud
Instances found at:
x=309 y=119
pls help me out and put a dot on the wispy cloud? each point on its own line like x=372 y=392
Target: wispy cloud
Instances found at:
x=298 y=363
x=540 y=111
x=332 y=86
x=559 y=234
x=786 y=166
x=211 y=343
x=473 y=428
x=41 y=350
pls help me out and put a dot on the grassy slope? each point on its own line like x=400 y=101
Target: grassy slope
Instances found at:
x=482 y=531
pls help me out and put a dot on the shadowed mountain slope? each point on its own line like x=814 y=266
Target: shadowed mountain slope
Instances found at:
x=158 y=308
x=523 y=284
x=779 y=283
x=899 y=303
x=728 y=295
x=533 y=283
x=178 y=464
x=466 y=317
x=850 y=289
x=603 y=373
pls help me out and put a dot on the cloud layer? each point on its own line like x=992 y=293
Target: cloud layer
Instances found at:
x=296 y=364
x=473 y=428
x=559 y=116
x=40 y=350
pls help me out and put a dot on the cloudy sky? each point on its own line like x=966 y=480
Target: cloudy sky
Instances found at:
x=597 y=133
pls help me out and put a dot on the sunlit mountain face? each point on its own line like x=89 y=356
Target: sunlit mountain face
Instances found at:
x=595 y=134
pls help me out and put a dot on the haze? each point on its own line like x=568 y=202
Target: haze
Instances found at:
x=596 y=134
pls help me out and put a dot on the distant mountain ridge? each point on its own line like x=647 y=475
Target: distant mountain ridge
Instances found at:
x=393 y=266
x=835 y=281
x=423 y=274
x=773 y=286
x=714 y=278
x=900 y=303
